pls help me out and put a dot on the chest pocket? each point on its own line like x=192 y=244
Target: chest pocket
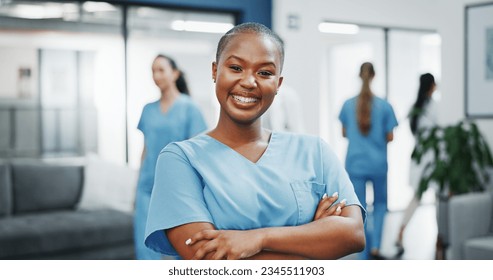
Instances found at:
x=308 y=195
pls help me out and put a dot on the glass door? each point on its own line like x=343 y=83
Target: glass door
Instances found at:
x=407 y=54
x=345 y=54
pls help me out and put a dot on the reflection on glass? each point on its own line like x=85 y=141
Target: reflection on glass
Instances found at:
x=63 y=90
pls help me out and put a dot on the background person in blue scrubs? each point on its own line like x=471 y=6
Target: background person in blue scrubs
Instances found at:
x=368 y=122
x=241 y=191
x=173 y=117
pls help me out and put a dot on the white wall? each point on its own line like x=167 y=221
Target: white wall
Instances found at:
x=304 y=51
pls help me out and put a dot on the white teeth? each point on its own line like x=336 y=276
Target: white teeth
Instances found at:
x=244 y=99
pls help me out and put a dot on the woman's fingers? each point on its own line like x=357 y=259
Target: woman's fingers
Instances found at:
x=207 y=234
x=338 y=208
x=329 y=208
x=205 y=249
x=324 y=204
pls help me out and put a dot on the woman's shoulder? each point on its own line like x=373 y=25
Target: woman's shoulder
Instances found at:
x=187 y=101
x=296 y=139
x=192 y=145
x=151 y=105
x=382 y=102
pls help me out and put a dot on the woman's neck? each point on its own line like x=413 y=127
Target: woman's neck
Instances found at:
x=234 y=134
x=167 y=98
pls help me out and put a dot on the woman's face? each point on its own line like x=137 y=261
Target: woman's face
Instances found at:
x=247 y=77
x=163 y=74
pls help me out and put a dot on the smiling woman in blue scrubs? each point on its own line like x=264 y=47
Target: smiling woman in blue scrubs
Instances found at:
x=243 y=192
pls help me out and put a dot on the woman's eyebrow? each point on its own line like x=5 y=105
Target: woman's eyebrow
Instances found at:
x=244 y=60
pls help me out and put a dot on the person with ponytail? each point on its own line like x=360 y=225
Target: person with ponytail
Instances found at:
x=368 y=122
x=422 y=116
x=174 y=117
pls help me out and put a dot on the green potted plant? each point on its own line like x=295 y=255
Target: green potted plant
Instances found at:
x=460 y=162
x=461 y=158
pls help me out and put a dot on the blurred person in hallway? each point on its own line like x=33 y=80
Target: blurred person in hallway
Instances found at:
x=423 y=115
x=173 y=117
x=368 y=122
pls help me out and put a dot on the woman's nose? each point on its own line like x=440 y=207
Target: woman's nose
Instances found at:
x=248 y=80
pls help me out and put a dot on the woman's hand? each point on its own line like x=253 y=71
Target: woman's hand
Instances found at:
x=226 y=244
x=326 y=207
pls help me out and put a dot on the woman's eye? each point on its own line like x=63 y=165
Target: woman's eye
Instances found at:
x=235 y=68
x=265 y=73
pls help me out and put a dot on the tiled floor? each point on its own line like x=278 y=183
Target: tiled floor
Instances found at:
x=419 y=237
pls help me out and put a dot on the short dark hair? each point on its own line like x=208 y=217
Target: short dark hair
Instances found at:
x=250 y=27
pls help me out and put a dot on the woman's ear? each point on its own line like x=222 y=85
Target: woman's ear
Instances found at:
x=176 y=74
x=214 y=71
x=279 y=83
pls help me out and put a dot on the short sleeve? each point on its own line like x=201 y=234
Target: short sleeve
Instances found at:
x=197 y=123
x=342 y=115
x=337 y=179
x=391 y=119
x=142 y=120
x=177 y=199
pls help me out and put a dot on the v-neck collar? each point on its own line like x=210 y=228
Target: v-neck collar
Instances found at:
x=261 y=158
x=170 y=108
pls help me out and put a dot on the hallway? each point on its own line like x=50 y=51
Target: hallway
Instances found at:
x=419 y=238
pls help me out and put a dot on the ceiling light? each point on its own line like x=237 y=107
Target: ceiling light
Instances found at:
x=201 y=26
x=94 y=7
x=37 y=11
x=431 y=39
x=338 y=28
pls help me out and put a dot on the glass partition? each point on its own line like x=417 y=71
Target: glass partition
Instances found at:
x=63 y=91
x=399 y=57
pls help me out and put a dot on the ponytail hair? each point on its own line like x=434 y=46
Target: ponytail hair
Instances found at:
x=426 y=83
x=363 y=110
x=181 y=82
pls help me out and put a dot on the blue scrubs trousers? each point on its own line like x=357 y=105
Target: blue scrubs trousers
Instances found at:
x=375 y=218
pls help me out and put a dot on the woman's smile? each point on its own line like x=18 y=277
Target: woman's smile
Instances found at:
x=244 y=99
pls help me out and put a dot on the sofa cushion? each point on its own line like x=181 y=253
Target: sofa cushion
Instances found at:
x=480 y=248
x=41 y=186
x=5 y=190
x=31 y=235
x=107 y=186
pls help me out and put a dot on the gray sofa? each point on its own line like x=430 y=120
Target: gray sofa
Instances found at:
x=39 y=218
x=471 y=226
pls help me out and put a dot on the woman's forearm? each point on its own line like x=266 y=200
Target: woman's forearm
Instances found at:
x=328 y=238
x=268 y=255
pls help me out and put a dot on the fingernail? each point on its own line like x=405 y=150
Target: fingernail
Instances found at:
x=324 y=196
x=335 y=194
x=338 y=209
x=189 y=240
x=343 y=201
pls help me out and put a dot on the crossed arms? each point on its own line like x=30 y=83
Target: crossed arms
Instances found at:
x=336 y=231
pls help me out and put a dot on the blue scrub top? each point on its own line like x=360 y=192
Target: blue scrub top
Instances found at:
x=367 y=154
x=203 y=180
x=183 y=120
